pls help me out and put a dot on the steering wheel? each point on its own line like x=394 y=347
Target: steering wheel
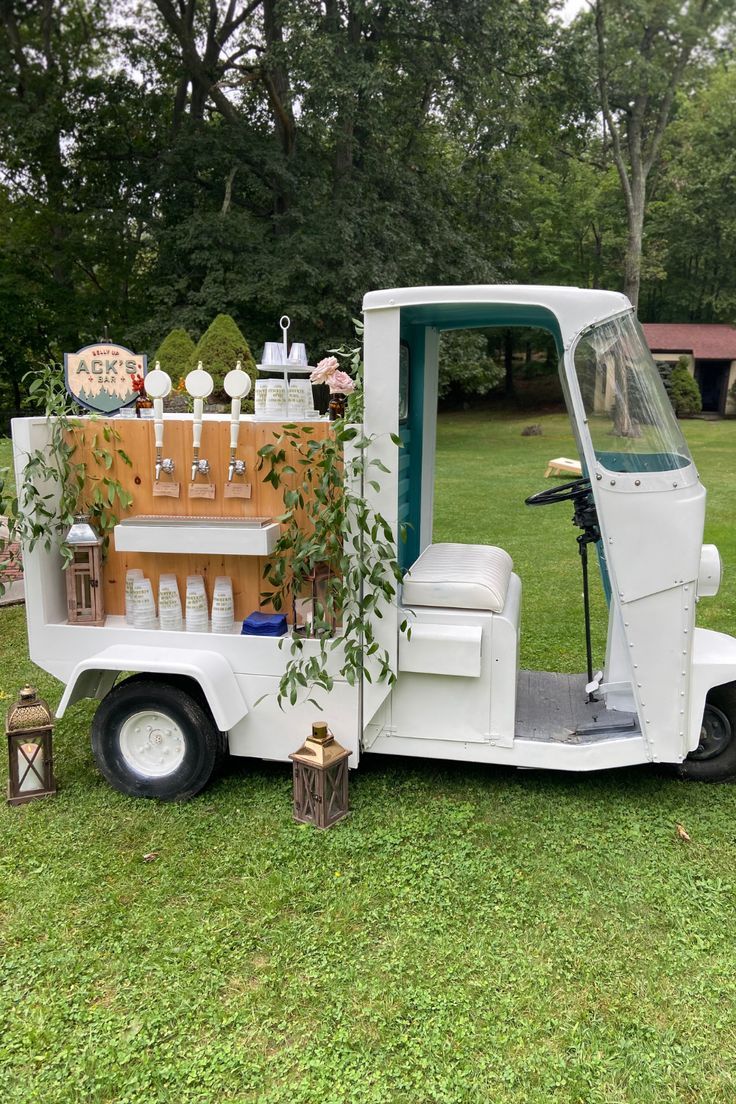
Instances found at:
x=561 y=492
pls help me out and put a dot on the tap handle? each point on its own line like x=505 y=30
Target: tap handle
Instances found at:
x=234 y=423
x=197 y=424
x=158 y=422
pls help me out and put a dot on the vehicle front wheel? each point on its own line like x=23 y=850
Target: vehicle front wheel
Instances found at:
x=714 y=759
x=151 y=739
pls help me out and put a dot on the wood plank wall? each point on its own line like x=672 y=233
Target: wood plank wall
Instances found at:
x=137 y=440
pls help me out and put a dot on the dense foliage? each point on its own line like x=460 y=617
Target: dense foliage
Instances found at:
x=684 y=393
x=168 y=161
x=219 y=349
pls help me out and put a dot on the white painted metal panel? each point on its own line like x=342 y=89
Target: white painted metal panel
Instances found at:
x=442 y=650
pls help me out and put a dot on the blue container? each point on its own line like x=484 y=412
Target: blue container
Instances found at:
x=264 y=624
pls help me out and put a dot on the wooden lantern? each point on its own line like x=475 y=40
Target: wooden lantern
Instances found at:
x=310 y=613
x=84 y=574
x=320 y=779
x=29 y=729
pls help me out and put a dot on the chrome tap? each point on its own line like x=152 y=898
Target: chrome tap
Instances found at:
x=158 y=386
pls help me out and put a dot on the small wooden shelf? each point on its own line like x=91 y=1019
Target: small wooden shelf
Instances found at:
x=188 y=535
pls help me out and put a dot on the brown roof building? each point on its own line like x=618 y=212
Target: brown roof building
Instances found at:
x=710 y=349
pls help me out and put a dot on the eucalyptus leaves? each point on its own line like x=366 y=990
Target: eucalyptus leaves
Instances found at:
x=55 y=485
x=329 y=529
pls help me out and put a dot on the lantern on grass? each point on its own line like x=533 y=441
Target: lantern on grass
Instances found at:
x=320 y=779
x=29 y=729
x=84 y=574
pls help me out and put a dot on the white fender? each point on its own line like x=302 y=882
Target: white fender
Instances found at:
x=714 y=663
x=94 y=676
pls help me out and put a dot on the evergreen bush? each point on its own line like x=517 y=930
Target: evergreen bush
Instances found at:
x=684 y=392
x=174 y=354
x=220 y=347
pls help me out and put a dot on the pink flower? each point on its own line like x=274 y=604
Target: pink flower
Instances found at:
x=341 y=383
x=324 y=370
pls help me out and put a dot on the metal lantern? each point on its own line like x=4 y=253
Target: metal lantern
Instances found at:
x=84 y=574
x=320 y=779
x=29 y=729
x=308 y=610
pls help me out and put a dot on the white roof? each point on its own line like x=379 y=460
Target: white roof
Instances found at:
x=575 y=308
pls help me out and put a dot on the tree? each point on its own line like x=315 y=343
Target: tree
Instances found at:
x=643 y=53
x=693 y=213
x=175 y=354
x=684 y=393
x=220 y=347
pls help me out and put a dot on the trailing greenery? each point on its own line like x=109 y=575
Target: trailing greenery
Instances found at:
x=684 y=392
x=175 y=354
x=55 y=485
x=469 y=935
x=219 y=348
x=329 y=529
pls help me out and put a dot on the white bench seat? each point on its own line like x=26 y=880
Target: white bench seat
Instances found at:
x=459 y=576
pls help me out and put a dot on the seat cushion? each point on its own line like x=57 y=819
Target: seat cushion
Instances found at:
x=459 y=576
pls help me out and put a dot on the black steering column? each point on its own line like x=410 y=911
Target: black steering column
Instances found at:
x=578 y=492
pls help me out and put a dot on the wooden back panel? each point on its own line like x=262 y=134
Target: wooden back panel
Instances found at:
x=137 y=440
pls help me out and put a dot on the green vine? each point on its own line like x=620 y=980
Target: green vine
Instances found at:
x=332 y=542
x=39 y=515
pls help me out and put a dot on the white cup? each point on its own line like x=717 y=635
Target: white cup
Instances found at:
x=276 y=400
x=144 y=607
x=273 y=353
x=222 y=605
x=169 y=603
x=298 y=354
x=130 y=577
x=261 y=397
x=297 y=400
x=196 y=603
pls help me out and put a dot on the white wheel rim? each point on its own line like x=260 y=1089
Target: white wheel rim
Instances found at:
x=152 y=744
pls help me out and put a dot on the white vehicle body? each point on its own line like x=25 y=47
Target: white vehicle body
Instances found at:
x=458 y=694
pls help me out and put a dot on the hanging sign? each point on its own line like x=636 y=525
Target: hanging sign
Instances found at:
x=100 y=376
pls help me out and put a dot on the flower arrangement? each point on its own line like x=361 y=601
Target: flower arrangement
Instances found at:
x=138 y=384
x=328 y=371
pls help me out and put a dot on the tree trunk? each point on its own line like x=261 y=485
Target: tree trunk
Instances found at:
x=632 y=259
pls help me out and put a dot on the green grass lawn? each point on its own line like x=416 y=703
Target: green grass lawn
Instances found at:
x=470 y=934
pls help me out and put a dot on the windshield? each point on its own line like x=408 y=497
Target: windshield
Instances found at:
x=630 y=418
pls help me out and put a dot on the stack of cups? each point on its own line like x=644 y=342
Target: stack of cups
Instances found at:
x=144 y=607
x=169 y=603
x=196 y=604
x=276 y=401
x=298 y=400
x=130 y=578
x=261 y=397
x=222 y=605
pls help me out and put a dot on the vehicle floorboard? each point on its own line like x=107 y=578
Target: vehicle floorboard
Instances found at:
x=554 y=708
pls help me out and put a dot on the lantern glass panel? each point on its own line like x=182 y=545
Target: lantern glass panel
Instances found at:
x=29 y=758
x=83 y=591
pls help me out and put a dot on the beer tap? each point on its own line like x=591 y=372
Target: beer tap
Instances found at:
x=237 y=385
x=199 y=384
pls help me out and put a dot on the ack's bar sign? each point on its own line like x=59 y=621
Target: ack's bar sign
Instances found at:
x=100 y=377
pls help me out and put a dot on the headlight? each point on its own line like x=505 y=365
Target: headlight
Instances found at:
x=710 y=572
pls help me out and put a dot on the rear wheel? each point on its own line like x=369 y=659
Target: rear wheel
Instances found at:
x=152 y=739
x=714 y=759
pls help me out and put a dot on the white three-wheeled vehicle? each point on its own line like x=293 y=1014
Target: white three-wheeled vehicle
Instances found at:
x=666 y=692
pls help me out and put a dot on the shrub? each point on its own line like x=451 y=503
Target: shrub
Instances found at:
x=466 y=369
x=175 y=354
x=684 y=393
x=220 y=347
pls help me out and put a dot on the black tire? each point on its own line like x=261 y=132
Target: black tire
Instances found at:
x=714 y=760
x=198 y=741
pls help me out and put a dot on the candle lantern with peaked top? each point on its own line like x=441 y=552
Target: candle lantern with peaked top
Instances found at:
x=320 y=779
x=29 y=729
x=84 y=574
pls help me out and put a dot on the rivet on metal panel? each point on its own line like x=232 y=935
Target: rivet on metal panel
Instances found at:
x=599 y=477
x=636 y=666
x=613 y=482
x=639 y=685
x=674 y=484
x=684 y=653
x=637 y=482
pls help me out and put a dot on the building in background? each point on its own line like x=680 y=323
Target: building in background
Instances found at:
x=710 y=350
